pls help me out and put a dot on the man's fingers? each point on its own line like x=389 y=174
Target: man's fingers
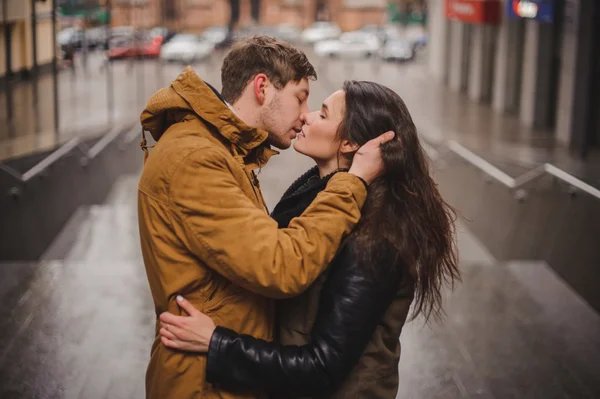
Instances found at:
x=187 y=306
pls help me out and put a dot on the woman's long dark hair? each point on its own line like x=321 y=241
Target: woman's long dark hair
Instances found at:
x=404 y=212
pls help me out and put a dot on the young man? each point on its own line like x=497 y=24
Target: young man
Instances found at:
x=204 y=229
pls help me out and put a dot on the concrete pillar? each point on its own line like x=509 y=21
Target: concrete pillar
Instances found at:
x=540 y=75
x=438 y=31
x=508 y=69
x=566 y=90
x=459 y=56
x=481 y=62
x=530 y=69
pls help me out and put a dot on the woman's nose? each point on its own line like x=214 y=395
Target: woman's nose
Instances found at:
x=310 y=117
x=304 y=118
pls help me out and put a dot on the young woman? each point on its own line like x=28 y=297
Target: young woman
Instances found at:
x=340 y=339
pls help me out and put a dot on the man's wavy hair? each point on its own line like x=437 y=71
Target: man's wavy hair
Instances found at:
x=280 y=61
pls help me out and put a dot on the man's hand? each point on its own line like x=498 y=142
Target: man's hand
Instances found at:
x=367 y=163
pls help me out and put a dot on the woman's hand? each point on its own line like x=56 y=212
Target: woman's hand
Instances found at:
x=191 y=333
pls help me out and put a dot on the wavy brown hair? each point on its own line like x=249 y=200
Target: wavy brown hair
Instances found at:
x=404 y=215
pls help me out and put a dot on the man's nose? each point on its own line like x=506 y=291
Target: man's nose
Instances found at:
x=305 y=107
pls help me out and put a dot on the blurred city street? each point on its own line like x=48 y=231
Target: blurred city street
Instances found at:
x=77 y=318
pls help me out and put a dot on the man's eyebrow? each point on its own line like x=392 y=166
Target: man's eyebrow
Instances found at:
x=306 y=92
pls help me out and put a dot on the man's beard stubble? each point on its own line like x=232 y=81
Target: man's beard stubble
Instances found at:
x=270 y=118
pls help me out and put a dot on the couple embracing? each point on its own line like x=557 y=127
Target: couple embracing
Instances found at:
x=309 y=301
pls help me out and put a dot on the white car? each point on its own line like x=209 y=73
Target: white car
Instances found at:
x=288 y=33
x=320 y=31
x=215 y=34
x=397 y=50
x=186 y=48
x=350 y=44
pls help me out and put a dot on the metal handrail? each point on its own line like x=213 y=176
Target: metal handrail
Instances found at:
x=75 y=144
x=519 y=182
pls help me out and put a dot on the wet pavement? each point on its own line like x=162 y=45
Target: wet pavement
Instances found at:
x=79 y=323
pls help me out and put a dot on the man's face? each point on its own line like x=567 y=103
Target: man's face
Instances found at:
x=282 y=111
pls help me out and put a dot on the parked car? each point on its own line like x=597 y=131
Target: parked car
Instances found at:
x=217 y=35
x=383 y=33
x=96 y=37
x=186 y=48
x=418 y=36
x=164 y=32
x=320 y=31
x=70 y=37
x=135 y=47
x=397 y=50
x=350 y=44
x=287 y=32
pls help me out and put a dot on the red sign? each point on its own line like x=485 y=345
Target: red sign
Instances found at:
x=474 y=11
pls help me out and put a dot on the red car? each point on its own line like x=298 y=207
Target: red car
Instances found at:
x=136 y=48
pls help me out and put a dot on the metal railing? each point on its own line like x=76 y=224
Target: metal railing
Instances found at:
x=515 y=183
x=74 y=145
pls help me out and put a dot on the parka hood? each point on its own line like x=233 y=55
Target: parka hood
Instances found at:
x=190 y=94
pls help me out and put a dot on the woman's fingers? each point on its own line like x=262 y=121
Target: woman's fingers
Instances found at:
x=170 y=318
x=168 y=343
x=164 y=332
x=187 y=306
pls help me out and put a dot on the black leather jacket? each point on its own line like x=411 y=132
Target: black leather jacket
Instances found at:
x=352 y=304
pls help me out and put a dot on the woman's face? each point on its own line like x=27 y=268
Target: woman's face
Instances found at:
x=318 y=139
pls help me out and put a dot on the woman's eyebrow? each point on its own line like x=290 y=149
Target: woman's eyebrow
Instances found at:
x=325 y=107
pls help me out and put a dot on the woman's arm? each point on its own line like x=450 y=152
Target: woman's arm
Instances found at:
x=352 y=304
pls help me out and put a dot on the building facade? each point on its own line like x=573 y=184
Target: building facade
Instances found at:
x=535 y=59
x=197 y=15
x=26 y=37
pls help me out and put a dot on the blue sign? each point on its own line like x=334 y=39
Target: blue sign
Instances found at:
x=539 y=10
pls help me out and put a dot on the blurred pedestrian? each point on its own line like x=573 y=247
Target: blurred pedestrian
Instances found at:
x=340 y=339
x=69 y=56
x=205 y=232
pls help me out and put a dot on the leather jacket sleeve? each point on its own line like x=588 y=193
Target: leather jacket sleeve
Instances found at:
x=353 y=302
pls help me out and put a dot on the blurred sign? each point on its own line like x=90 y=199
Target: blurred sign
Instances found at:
x=474 y=11
x=539 y=10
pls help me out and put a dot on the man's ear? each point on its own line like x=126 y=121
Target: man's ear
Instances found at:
x=260 y=84
x=347 y=148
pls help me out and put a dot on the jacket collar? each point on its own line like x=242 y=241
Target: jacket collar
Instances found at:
x=207 y=103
